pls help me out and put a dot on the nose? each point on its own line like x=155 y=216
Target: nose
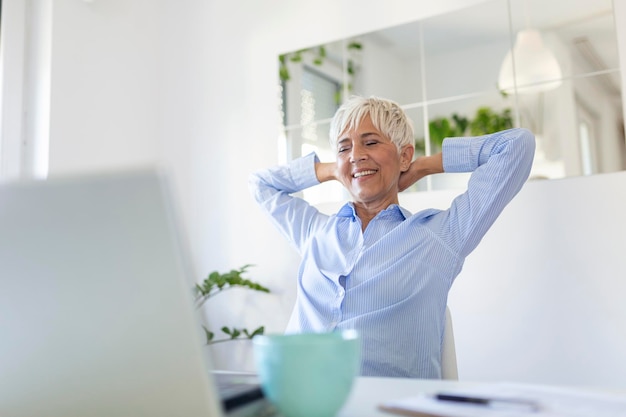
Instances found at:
x=358 y=153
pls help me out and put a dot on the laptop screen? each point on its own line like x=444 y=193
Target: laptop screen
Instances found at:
x=96 y=309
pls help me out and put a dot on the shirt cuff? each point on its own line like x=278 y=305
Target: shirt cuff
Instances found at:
x=461 y=154
x=302 y=171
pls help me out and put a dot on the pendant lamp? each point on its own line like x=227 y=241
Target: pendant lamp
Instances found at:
x=536 y=68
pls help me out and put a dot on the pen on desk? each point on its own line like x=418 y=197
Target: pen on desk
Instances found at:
x=516 y=402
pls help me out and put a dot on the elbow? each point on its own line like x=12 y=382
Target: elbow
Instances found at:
x=526 y=140
x=525 y=145
x=519 y=139
x=527 y=135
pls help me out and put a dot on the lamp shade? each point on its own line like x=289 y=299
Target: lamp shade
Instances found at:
x=536 y=68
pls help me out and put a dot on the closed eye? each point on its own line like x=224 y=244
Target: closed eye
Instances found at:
x=344 y=145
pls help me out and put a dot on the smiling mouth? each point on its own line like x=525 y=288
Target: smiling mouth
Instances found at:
x=363 y=173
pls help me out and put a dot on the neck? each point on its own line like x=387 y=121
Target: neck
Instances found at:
x=366 y=212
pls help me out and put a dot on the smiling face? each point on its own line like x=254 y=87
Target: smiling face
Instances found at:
x=370 y=165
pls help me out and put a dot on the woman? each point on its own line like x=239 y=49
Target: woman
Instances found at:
x=374 y=266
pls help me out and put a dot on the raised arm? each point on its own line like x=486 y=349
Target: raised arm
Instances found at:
x=272 y=189
x=500 y=164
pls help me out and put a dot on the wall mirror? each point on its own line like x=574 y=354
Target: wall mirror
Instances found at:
x=540 y=64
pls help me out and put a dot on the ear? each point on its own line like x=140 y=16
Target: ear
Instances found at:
x=406 y=157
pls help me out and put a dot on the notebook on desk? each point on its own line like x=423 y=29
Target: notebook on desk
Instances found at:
x=96 y=311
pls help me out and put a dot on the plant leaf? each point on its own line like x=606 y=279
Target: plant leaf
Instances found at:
x=217 y=282
x=209 y=335
x=258 y=331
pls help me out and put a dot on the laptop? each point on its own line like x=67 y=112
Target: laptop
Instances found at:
x=96 y=311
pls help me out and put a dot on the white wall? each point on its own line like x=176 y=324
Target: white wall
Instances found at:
x=12 y=50
x=191 y=85
x=105 y=95
x=542 y=298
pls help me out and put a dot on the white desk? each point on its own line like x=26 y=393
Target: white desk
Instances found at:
x=368 y=392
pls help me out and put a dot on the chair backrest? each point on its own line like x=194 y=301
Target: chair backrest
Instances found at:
x=448 y=354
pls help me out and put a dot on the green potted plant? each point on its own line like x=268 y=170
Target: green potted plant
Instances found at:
x=488 y=121
x=214 y=284
x=485 y=121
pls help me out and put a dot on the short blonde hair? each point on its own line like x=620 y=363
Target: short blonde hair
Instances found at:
x=386 y=115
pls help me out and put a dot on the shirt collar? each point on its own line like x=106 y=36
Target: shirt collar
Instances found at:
x=394 y=210
x=347 y=210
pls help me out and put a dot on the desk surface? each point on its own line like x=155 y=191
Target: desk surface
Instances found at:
x=369 y=392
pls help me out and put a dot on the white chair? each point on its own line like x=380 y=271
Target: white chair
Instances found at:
x=448 y=353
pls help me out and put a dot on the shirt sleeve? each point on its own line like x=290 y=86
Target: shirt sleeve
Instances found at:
x=500 y=164
x=272 y=189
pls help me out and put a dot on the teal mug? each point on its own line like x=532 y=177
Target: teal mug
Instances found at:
x=308 y=374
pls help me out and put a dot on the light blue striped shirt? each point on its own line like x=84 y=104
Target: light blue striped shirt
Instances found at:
x=391 y=282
